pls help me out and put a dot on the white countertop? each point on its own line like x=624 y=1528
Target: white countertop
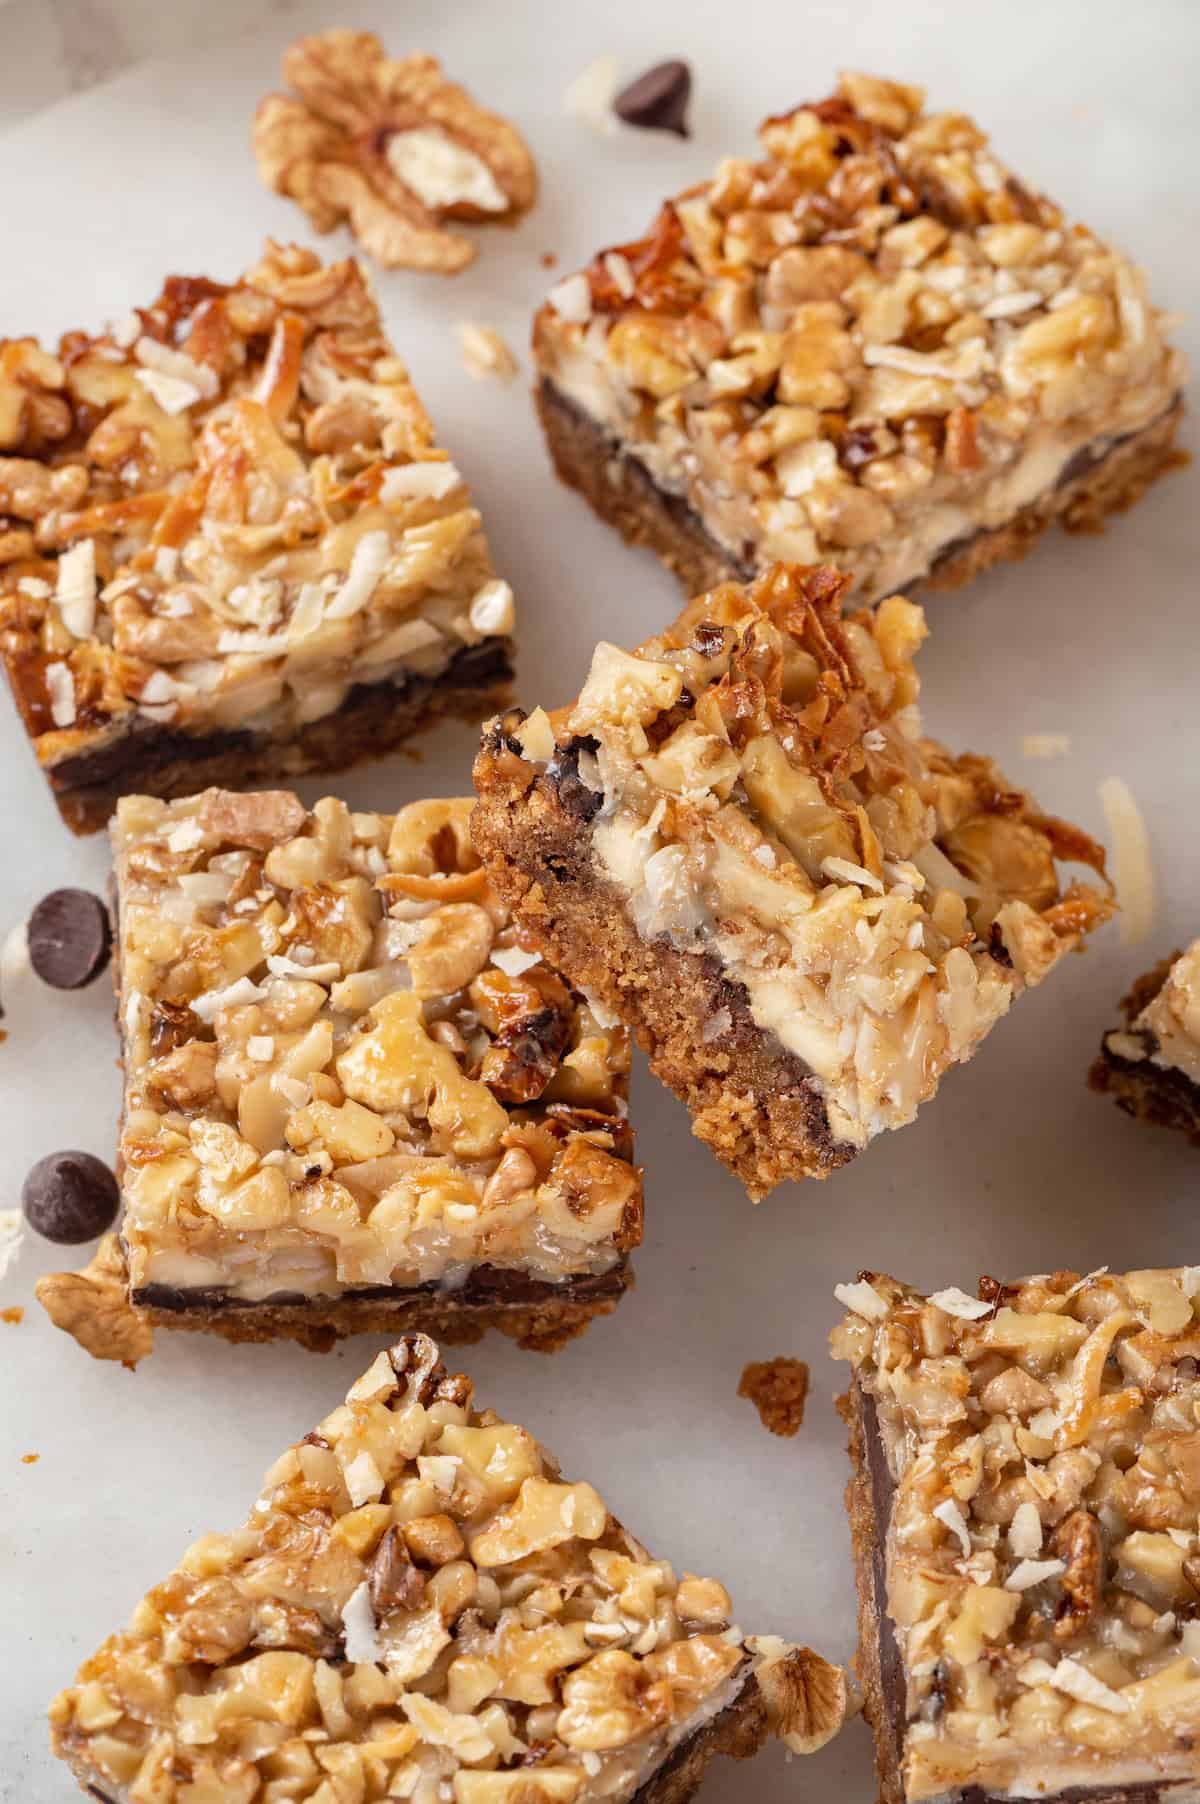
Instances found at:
x=1015 y=1167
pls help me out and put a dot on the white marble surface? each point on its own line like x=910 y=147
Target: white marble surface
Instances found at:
x=1015 y=1167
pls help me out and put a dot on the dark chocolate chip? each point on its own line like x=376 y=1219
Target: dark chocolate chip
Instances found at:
x=69 y=938
x=657 y=100
x=70 y=1197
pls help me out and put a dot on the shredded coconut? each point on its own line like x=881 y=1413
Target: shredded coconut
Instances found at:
x=1133 y=869
x=862 y=1298
x=957 y=1302
x=358 y=1627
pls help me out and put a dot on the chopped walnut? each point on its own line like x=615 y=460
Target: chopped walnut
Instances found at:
x=332 y=1081
x=778 y=1389
x=393 y=148
x=514 y=1645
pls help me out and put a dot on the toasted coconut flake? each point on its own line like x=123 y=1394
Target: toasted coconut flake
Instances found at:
x=358 y=1624
x=949 y=1513
x=1027 y=1573
x=1073 y=1678
x=957 y=1302
x=590 y=96
x=862 y=1298
x=1133 y=868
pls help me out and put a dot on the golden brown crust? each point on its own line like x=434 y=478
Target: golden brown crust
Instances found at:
x=866 y=1538
x=619 y=489
x=355 y=734
x=541 y=1327
x=750 y=1100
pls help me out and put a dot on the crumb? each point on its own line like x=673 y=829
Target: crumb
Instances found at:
x=30 y=1459
x=1046 y=745
x=549 y=260
x=484 y=353
x=777 y=1388
x=14 y=1313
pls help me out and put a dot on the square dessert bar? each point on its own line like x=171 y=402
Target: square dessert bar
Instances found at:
x=1151 y=1066
x=1025 y=1510
x=873 y=346
x=353 y=1100
x=739 y=842
x=230 y=548
x=420 y=1608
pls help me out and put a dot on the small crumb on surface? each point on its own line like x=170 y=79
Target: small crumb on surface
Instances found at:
x=14 y=1314
x=549 y=260
x=778 y=1389
x=30 y=1459
x=485 y=355
x=589 y=98
x=1045 y=745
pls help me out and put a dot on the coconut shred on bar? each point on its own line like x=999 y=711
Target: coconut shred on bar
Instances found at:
x=347 y=1079
x=873 y=344
x=760 y=808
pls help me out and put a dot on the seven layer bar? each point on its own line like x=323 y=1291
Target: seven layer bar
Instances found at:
x=230 y=547
x=739 y=841
x=419 y=1608
x=1151 y=1066
x=874 y=346
x=352 y=1099
x=1025 y=1510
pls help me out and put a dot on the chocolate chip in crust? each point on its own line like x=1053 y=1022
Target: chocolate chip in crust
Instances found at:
x=70 y=1197
x=70 y=938
x=658 y=100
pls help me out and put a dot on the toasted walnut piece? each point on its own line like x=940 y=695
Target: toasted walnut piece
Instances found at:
x=544 y=1515
x=261 y=820
x=93 y=1306
x=452 y=950
x=805 y=1697
x=394 y=1580
x=702 y=1600
x=1079 y=1542
x=393 y=148
x=778 y=1389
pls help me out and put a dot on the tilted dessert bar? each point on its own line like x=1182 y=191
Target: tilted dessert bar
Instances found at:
x=419 y=1607
x=1025 y=1510
x=1151 y=1066
x=739 y=842
x=230 y=547
x=353 y=1100
x=873 y=346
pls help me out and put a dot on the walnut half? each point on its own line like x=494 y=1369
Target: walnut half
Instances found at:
x=392 y=148
x=93 y=1305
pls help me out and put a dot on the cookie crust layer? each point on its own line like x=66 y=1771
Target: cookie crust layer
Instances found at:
x=751 y=1100
x=621 y=491
x=540 y=1317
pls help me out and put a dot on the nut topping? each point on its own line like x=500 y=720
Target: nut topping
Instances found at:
x=539 y=1654
x=393 y=148
x=1041 y=1532
x=331 y=1087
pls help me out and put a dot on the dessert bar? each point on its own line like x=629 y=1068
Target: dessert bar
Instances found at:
x=420 y=1607
x=353 y=1100
x=873 y=346
x=739 y=842
x=1025 y=1506
x=230 y=548
x=1151 y=1066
